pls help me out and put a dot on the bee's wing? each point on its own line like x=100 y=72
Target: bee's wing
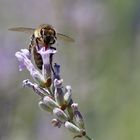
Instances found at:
x=64 y=37
x=22 y=29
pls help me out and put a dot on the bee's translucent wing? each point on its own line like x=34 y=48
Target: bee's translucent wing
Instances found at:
x=22 y=29
x=64 y=37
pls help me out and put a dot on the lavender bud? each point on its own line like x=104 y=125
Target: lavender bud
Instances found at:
x=26 y=83
x=56 y=71
x=57 y=68
x=37 y=89
x=38 y=77
x=68 y=94
x=56 y=123
x=58 y=83
x=58 y=94
x=70 y=110
x=78 y=116
x=44 y=106
x=49 y=102
x=60 y=114
x=72 y=128
x=46 y=71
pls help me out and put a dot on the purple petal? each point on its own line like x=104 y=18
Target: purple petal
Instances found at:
x=46 y=54
x=24 y=61
x=26 y=53
x=21 y=60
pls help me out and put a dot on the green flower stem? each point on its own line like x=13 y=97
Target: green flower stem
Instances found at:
x=87 y=137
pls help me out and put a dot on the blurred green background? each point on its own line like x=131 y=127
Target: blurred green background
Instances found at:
x=102 y=67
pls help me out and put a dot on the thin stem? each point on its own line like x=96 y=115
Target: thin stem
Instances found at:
x=87 y=137
x=50 y=91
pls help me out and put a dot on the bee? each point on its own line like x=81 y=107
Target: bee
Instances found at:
x=43 y=36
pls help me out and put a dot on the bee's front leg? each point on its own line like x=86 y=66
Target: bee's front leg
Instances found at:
x=30 y=48
x=51 y=61
x=31 y=43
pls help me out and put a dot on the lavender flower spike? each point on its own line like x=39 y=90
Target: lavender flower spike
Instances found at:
x=49 y=86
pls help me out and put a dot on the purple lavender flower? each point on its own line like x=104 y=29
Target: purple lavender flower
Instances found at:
x=47 y=59
x=24 y=59
x=25 y=62
x=58 y=93
x=46 y=54
x=36 y=88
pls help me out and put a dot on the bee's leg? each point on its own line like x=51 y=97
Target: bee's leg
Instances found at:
x=37 y=44
x=51 y=60
x=51 y=63
x=31 y=43
x=30 y=48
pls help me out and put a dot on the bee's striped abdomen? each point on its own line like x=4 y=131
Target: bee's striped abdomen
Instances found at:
x=37 y=58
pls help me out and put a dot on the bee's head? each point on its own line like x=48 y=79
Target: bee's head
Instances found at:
x=48 y=35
